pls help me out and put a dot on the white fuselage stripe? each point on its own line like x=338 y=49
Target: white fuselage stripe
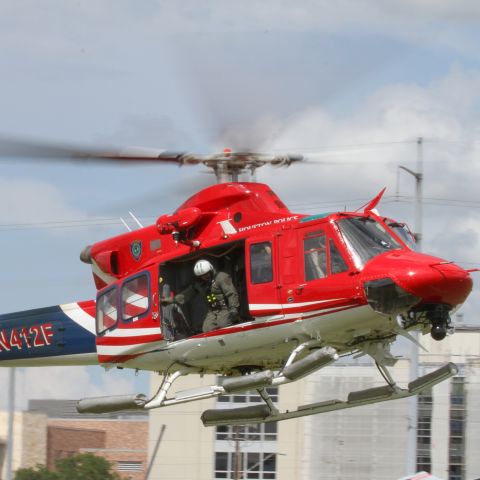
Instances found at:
x=135 y=348
x=272 y=306
x=79 y=316
x=132 y=332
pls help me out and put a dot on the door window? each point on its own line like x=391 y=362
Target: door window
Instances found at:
x=315 y=256
x=107 y=311
x=261 y=262
x=135 y=297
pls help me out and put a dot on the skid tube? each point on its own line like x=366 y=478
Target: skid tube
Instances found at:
x=265 y=414
x=256 y=381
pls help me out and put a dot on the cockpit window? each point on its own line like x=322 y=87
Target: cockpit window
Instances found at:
x=404 y=233
x=366 y=238
x=337 y=263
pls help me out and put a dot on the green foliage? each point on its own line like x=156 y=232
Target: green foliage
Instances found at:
x=38 y=473
x=84 y=466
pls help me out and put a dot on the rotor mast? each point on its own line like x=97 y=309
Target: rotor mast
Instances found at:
x=229 y=165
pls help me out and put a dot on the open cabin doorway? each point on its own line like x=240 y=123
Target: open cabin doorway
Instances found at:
x=183 y=321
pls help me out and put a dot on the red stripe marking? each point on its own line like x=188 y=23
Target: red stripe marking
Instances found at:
x=105 y=340
x=255 y=326
x=88 y=307
x=226 y=331
x=117 y=358
x=302 y=309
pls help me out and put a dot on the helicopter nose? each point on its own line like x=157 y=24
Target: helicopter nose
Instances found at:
x=436 y=282
x=426 y=279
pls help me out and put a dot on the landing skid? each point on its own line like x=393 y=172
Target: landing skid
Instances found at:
x=265 y=414
x=292 y=371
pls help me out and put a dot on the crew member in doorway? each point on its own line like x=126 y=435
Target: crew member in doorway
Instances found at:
x=219 y=293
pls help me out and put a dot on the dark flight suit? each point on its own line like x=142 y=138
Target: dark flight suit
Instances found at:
x=221 y=297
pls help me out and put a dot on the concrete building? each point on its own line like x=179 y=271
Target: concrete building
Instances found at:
x=362 y=443
x=52 y=429
x=30 y=439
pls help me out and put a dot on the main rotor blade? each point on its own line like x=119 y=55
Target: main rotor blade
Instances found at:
x=31 y=150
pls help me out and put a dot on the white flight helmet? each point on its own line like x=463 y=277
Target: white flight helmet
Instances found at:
x=202 y=267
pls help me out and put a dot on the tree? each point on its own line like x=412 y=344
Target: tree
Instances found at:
x=38 y=473
x=83 y=466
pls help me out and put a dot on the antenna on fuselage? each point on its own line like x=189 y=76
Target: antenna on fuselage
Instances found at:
x=125 y=224
x=136 y=219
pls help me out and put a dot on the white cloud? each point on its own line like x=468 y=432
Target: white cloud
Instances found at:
x=28 y=200
x=67 y=383
x=445 y=113
x=413 y=20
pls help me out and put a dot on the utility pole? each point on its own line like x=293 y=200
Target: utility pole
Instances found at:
x=155 y=451
x=11 y=416
x=238 y=453
x=413 y=374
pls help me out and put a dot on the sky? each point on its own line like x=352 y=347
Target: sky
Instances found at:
x=353 y=83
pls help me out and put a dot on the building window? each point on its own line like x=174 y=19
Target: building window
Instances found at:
x=231 y=458
x=456 y=460
x=262 y=432
x=424 y=431
x=245 y=465
x=250 y=396
x=129 y=466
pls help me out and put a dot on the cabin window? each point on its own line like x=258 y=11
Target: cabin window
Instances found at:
x=107 y=310
x=337 y=263
x=135 y=295
x=261 y=262
x=315 y=256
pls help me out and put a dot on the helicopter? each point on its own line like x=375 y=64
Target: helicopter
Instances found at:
x=311 y=288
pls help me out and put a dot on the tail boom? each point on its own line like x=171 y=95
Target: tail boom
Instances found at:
x=58 y=335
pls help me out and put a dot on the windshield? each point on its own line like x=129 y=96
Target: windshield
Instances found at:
x=366 y=238
x=404 y=233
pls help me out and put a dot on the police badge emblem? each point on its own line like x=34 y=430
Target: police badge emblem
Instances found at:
x=136 y=249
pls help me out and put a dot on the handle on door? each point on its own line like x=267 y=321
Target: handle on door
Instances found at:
x=299 y=288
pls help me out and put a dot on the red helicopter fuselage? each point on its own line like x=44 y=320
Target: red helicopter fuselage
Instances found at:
x=344 y=280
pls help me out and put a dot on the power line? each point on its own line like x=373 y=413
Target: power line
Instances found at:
x=111 y=221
